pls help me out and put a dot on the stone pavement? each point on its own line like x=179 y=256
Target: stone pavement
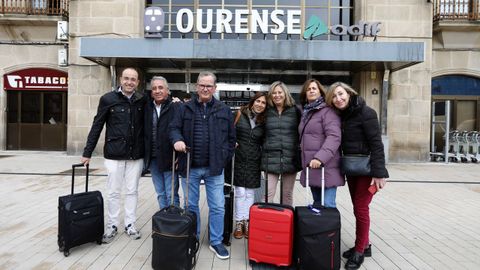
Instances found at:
x=426 y=218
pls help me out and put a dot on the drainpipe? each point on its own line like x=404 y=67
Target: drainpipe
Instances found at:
x=383 y=112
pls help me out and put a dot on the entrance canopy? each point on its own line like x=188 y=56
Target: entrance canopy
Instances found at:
x=253 y=56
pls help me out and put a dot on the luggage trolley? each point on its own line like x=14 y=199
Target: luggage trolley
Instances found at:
x=464 y=143
x=454 y=150
x=474 y=145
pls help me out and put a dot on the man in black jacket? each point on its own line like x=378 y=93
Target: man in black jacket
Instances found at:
x=159 y=112
x=205 y=125
x=122 y=111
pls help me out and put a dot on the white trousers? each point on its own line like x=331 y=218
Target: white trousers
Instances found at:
x=244 y=198
x=122 y=175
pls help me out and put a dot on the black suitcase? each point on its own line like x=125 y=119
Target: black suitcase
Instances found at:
x=80 y=217
x=174 y=233
x=175 y=242
x=317 y=235
x=229 y=199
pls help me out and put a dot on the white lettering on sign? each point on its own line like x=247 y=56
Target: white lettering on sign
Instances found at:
x=223 y=20
x=209 y=24
x=224 y=17
x=241 y=19
x=293 y=18
x=258 y=21
x=280 y=25
x=16 y=81
x=189 y=27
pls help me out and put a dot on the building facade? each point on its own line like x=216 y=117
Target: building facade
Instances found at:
x=388 y=50
x=33 y=95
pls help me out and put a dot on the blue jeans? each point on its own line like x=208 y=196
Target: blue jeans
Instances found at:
x=162 y=181
x=330 y=196
x=215 y=200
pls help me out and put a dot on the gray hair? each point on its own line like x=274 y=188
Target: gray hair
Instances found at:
x=205 y=74
x=160 y=78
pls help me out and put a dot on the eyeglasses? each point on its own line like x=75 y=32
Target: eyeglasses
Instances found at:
x=204 y=86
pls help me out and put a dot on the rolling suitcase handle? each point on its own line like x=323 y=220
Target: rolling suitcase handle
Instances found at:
x=187 y=180
x=86 y=175
x=307 y=183
x=266 y=181
x=233 y=171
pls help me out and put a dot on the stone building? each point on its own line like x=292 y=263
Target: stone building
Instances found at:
x=391 y=51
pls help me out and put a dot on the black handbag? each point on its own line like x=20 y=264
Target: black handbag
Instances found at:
x=356 y=165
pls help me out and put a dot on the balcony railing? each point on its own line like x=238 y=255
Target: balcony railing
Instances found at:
x=35 y=7
x=456 y=10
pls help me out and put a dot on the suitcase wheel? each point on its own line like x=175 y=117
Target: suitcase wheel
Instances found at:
x=226 y=242
x=61 y=248
x=66 y=253
x=264 y=266
x=99 y=241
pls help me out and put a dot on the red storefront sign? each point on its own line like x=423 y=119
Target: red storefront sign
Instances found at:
x=36 y=79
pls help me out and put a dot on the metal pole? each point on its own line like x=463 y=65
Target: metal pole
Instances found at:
x=447 y=129
x=432 y=131
x=384 y=102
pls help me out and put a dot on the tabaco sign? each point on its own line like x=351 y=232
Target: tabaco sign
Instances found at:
x=36 y=79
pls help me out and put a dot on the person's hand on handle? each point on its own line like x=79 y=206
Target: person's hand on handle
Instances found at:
x=180 y=147
x=315 y=163
x=379 y=182
x=85 y=160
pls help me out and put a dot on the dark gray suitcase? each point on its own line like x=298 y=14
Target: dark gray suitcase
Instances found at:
x=317 y=235
x=80 y=217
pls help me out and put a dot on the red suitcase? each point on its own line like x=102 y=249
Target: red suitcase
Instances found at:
x=270 y=237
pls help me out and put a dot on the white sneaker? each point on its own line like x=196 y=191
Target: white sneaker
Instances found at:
x=133 y=232
x=110 y=233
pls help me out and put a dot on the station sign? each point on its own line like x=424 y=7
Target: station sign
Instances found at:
x=246 y=21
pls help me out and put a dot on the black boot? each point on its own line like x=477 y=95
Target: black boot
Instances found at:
x=355 y=261
x=367 y=252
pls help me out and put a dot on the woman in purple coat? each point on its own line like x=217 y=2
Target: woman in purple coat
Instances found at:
x=320 y=138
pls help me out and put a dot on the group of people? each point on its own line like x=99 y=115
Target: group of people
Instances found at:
x=270 y=133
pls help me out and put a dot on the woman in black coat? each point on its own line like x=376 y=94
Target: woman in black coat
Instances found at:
x=250 y=128
x=281 y=149
x=361 y=135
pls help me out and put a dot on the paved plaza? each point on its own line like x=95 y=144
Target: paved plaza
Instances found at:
x=427 y=217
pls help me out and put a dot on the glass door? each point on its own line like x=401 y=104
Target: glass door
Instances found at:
x=36 y=120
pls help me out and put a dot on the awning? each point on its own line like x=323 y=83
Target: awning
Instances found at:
x=291 y=56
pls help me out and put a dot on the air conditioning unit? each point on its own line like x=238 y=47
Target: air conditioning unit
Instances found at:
x=62 y=30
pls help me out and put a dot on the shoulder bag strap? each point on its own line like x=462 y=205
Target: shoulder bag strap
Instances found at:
x=237 y=117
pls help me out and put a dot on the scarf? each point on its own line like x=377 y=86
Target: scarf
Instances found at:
x=312 y=106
